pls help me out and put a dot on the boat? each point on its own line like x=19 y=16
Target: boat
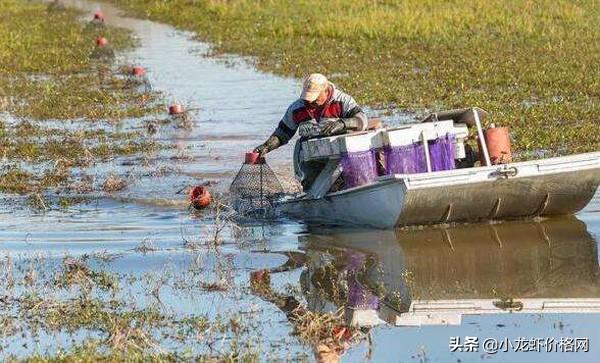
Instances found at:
x=503 y=191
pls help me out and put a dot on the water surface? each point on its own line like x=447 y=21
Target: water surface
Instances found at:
x=385 y=277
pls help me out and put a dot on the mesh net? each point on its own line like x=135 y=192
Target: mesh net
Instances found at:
x=405 y=159
x=359 y=168
x=410 y=159
x=441 y=152
x=254 y=188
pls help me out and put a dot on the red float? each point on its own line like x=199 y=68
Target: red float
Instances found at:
x=101 y=42
x=175 y=109
x=98 y=15
x=138 y=71
x=200 y=197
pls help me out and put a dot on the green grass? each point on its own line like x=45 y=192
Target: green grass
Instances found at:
x=47 y=72
x=532 y=64
x=38 y=42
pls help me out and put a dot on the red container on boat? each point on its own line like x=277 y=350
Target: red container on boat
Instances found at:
x=101 y=42
x=98 y=15
x=200 y=197
x=254 y=158
x=138 y=71
x=498 y=145
x=175 y=109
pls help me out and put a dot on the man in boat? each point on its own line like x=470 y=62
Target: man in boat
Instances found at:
x=322 y=110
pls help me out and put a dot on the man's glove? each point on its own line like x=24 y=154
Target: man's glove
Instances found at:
x=271 y=144
x=308 y=129
x=333 y=128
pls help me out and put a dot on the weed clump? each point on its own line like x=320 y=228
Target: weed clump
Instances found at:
x=77 y=272
x=15 y=180
x=114 y=183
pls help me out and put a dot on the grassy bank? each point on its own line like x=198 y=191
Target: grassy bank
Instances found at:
x=48 y=72
x=533 y=64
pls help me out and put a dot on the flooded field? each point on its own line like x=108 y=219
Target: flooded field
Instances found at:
x=139 y=270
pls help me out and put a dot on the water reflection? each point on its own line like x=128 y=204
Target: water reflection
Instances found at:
x=435 y=276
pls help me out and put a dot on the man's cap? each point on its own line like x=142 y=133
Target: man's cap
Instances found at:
x=313 y=85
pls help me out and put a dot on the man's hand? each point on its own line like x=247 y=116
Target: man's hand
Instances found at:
x=272 y=143
x=309 y=129
x=262 y=150
x=333 y=128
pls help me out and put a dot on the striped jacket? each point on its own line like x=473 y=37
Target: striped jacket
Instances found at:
x=338 y=105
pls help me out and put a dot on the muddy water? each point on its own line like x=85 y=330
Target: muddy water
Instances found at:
x=491 y=276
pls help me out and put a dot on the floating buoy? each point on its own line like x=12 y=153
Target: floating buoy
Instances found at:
x=175 y=109
x=138 y=71
x=98 y=15
x=200 y=197
x=253 y=158
x=102 y=42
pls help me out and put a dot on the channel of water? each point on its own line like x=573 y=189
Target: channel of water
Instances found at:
x=238 y=107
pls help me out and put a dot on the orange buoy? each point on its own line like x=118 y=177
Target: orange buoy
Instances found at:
x=138 y=71
x=498 y=145
x=175 y=109
x=102 y=42
x=200 y=197
x=98 y=15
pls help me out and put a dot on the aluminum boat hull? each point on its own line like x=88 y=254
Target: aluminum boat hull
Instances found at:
x=555 y=186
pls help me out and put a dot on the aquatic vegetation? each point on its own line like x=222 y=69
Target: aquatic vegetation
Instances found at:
x=114 y=183
x=47 y=73
x=77 y=272
x=327 y=333
x=79 y=295
x=531 y=64
x=15 y=180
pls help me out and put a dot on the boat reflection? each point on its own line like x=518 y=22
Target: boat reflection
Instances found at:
x=435 y=276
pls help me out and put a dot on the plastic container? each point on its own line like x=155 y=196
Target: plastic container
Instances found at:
x=200 y=197
x=325 y=147
x=498 y=145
